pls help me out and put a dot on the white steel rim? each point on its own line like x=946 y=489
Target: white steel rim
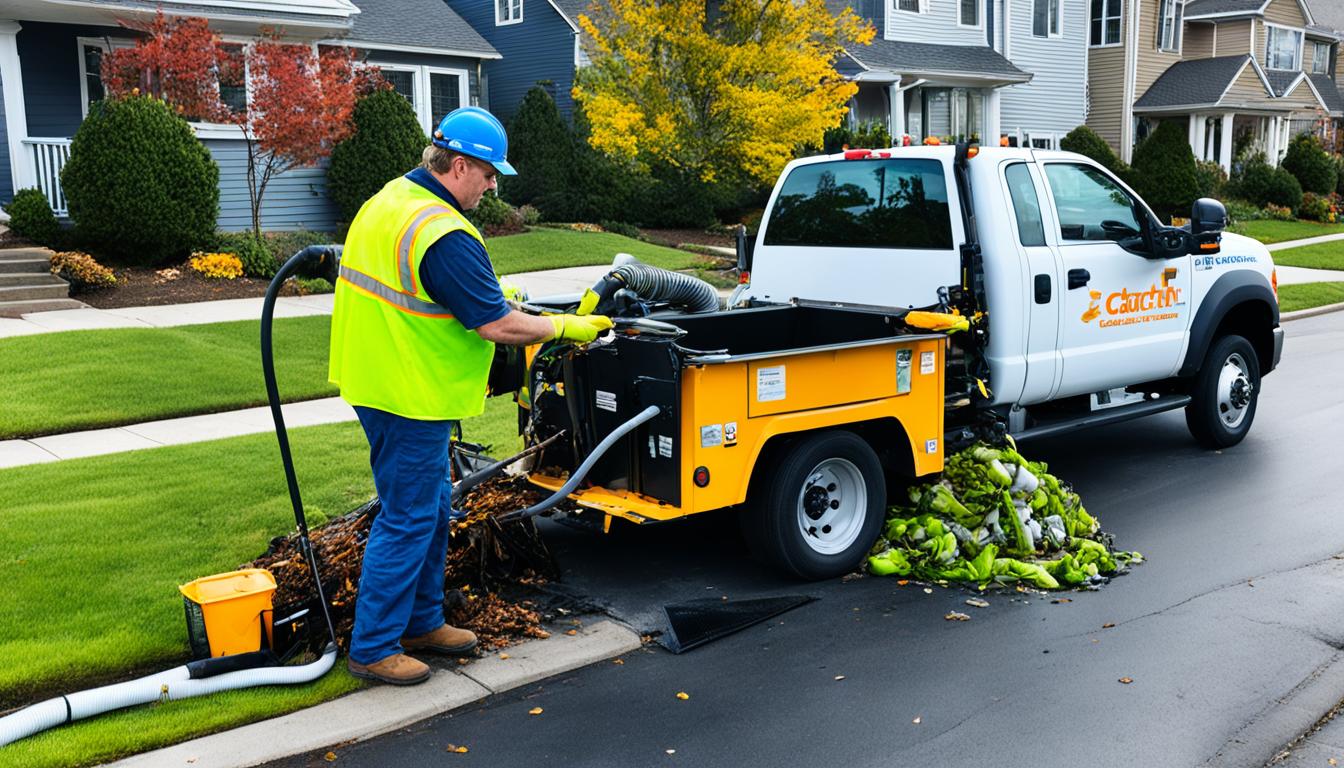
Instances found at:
x=1235 y=391
x=831 y=506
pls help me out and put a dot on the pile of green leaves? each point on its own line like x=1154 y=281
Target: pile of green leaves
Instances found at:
x=996 y=517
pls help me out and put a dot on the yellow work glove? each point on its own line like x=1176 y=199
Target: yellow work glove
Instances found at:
x=582 y=329
x=588 y=303
x=512 y=291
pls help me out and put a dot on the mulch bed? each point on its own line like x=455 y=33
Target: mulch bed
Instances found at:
x=146 y=286
x=674 y=237
x=10 y=240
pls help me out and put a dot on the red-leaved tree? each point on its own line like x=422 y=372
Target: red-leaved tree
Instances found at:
x=299 y=99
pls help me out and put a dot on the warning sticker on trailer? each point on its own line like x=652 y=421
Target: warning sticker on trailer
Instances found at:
x=925 y=363
x=606 y=401
x=711 y=435
x=665 y=446
x=770 y=384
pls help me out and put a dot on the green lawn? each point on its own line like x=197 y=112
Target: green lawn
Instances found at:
x=1319 y=256
x=61 y=382
x=94 y=549
x=1308 y=295
x=546 y=248
x=1269 y=231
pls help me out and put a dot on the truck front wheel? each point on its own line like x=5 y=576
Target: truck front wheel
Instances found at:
x=817 y=511
x=1226 y=389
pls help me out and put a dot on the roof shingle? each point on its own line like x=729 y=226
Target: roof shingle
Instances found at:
x=927 y=58
x=418 y=23
x=1199 y=81
x=1208 y=7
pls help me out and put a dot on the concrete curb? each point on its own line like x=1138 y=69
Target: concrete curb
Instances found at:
x=1281 y=721
x=380 y=709
x=1314 y=311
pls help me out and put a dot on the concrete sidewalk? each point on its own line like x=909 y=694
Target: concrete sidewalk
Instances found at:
x=1299 y=275
x=1305 y=241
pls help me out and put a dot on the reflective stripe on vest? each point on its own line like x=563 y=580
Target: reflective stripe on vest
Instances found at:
x=406 y=244
x=394 y=297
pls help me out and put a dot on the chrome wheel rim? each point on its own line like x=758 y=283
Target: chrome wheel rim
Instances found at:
x=831 y=506
x=1235 y=391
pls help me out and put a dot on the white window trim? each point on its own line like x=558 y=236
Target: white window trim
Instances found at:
x=1301 y=41
x=1059 y=21
x=1314 y=45
x=921 y=4
x=418 y=99
x=1177 y=28
x=504 y=22
x=80 y=44
x=421 y=101
x=1120 y=16
x=979 y=14
x=463 y=88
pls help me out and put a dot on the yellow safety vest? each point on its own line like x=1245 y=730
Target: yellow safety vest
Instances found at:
x=392 y=347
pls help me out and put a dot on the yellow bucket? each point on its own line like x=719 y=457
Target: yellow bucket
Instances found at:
x=227 y=612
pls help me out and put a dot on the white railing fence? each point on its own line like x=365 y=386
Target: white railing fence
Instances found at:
x=47 y=157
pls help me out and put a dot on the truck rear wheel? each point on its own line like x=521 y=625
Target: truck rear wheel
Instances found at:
x=1225 y=393
x=817 y=511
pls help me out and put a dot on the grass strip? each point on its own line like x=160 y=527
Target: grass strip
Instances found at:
x=1271 y=231
x=547 y=248
x=94 y=550
x=1319 y=256
x=1309 y=295
x=63 y=382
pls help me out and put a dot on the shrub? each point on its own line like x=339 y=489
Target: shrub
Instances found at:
x=283 y=245
x=1339 y=174
x=495 y=217
x=1317 y=207
x=255 y=257
x=1164 y=171
x=1284 y=190
x=531 y=216
x=543 y=149
x=1311 y=165
x=1278 y=212
x=386 y=143
x=1089 y=143
x=82 y=272
x=309 y=285
x=30 y=217
x=621 y=228
x=1211 y=178
x=1262 y=184
x=218 y=266
x=867 y=135
x=1238 y=211
x=139 y=183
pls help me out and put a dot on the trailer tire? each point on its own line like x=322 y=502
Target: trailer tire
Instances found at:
x=817 y=510
x=1224 y=393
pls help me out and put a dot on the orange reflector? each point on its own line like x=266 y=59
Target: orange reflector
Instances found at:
x=1208 y=246
x=1274 y=282
x=743 y=278
x=972 y=152
x=857 y=154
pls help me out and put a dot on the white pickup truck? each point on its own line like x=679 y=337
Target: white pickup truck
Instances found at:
x=1096 y=312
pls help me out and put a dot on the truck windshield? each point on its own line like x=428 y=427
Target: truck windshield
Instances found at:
x=883 y=203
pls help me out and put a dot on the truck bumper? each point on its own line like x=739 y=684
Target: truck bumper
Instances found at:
x=1278 y=346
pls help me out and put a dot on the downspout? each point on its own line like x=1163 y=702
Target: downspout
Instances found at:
x=1131 y=76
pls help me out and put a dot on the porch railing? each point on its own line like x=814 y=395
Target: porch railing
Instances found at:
x=46 y=158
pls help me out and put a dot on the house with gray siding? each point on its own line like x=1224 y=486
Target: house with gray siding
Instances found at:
x=49 y=75
x=539 y=43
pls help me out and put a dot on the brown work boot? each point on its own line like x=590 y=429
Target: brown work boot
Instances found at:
x=397 y=669
x=447 y=640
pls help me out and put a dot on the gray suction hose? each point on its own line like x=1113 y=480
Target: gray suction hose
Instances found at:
x=658 y=284
x=577 y=475
x=176 y=683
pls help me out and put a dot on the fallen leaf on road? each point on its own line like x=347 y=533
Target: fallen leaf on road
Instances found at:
x=191 y=759
x=683 y=695
x=330 y=757
x=1059 y=600
x=571 y=632
x=456 y=748
x=976 y=602
x=1108 y=625
x=503 y=655
x=1126 y=680
x=618 y=661
x=917 y=720
x=1332 y=761
x=839 y=677
x=671 y=751
x=535 y=711
x=928 y=591
x=1095 y=640
x=956 y=616
x=463 y=662
x=902 y=582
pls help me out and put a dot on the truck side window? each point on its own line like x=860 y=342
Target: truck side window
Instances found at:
x=883 y=203
x=1084 y=198
x=1027 y=207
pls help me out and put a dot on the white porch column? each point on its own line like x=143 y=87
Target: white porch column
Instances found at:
x=1192 y=136
x=1200 y=144
x=897 y=98
x=16 y=119
x=990 y=138
x=1225 y=145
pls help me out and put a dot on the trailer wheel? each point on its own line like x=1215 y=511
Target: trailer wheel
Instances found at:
x=1226 y=389
x=816 y=513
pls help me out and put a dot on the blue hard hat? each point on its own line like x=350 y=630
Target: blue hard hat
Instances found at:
x=477 y=133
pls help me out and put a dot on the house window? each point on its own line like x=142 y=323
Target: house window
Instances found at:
x=432 y=91
x=1105 y=25
x=1169 y=25
x=957 y=113
x=508 y=11
x=445 y=93
x=909 y=6
x=968 y=13
x=233 y=77
x=401 y=80
x=1045 y=18
x=1283 y=47
x=90 y=72
x=1320 y=58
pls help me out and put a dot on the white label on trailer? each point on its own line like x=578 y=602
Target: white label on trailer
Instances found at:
x=730 y=433
x=930 y=446
x=606 y=401
x=653 y=452
x=925 y=363
x=711 y=435
x=770 y=384
x=665 y=446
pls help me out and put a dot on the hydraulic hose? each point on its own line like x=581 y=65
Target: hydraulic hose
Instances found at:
x=577 y=475
x=658 y=284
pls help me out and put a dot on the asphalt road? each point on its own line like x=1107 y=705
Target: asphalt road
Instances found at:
x=1231 y=632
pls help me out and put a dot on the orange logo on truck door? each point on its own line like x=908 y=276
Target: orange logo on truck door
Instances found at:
x=1124 y=307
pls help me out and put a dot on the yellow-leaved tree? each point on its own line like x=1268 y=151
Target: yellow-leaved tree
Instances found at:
x=720 y=91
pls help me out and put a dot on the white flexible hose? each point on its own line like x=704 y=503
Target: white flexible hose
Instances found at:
x=170 y=685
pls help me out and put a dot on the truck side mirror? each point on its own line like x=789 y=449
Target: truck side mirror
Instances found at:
x=1208 y=219
x=745 y=247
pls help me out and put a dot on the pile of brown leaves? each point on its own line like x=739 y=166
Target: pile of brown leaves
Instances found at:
x=483 y=556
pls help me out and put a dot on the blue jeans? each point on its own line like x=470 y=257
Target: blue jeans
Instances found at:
x=401 y=585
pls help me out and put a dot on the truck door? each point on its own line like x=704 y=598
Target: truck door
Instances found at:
x=1043 y=293
x=1124 y=315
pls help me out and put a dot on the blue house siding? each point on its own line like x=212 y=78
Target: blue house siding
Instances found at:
x=540 y=48
x=296 y=199
x=49 y=60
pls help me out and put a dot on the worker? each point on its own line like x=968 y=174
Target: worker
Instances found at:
x=418 y=311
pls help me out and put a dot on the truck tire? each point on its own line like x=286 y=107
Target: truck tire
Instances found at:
x=817 y=510
x=1226 y=390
